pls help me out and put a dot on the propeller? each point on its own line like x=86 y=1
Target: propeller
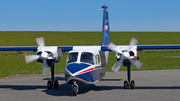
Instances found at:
x=45 y=67
x=60 y=53
x=113 y=47
x=30 y=58
x=44 y=55
x=138 y=64
x=117 y=65
x=133 y=42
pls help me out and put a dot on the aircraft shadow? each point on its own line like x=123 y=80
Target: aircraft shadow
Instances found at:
x=56 y=78
x=110 y=79
x=23 y=87
x=158 y=87
x=65 y=89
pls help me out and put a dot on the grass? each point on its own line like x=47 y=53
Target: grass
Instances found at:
x=12 y=63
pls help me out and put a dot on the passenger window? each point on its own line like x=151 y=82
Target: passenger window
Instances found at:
x=98 y=59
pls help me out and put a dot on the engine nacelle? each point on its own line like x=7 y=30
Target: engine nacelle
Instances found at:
x=51 y=52
x=131 y=54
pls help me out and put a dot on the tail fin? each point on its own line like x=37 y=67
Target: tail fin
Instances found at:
x=105 y=27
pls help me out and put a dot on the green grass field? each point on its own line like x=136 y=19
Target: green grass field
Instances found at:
x=12 y=63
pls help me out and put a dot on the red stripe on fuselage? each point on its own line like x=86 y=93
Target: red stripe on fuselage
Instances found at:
x=85 y=71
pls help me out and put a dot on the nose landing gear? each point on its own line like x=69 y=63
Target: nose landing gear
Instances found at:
x=74 y=89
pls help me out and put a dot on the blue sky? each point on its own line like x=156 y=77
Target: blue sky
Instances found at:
x=86 y=15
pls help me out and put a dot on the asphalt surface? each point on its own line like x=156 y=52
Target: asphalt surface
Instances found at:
x=158 y=85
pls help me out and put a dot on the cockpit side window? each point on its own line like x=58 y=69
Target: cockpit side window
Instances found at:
x=72 y=57
x=87 y=57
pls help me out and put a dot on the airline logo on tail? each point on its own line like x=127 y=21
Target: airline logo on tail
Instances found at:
x=105 y=27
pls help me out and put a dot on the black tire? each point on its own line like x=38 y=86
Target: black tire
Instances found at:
x=56 y=84
x=132 y=84
x=49 y=84
x=74 y=89
x=125 y=85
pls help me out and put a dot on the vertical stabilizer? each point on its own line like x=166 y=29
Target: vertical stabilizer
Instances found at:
x=105 y=27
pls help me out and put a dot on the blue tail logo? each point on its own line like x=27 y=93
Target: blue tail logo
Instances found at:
x=105 y=27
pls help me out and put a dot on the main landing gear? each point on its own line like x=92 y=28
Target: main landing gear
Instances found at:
x=128 y=83
x=51 y=82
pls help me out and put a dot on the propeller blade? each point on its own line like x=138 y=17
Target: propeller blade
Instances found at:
x=133 y=41
x=46 y=69
x=117 y=66
x=113 y=47
x=138 y=64
x=59 y=51
x=40 y=41
x=30 y=58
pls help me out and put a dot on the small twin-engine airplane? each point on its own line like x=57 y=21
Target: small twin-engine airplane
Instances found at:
x=87 y=64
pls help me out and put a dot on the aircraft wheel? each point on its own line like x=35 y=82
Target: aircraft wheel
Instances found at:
x=74 y=90
x=56 y=84
x=132 y=84
x=49 y=84
x=125 y=84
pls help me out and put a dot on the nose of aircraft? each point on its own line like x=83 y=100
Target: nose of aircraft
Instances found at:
x=75 y=67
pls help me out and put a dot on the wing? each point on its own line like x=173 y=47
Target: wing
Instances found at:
x=16 y=48
x=101 y=48
x=31 y=48
x=64 y=48
x=158 y=47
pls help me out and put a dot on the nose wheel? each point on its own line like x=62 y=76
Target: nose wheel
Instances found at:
x=74 y=89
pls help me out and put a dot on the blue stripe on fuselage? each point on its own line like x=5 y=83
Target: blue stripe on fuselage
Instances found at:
x=75 y=67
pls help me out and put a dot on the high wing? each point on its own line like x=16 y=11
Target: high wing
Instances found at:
x=31 y=48
x=158 y=47
x=64 y=48
x=101 y=48
x=148 y=47
x=17 y=48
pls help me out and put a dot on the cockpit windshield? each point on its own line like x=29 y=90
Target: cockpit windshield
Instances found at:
x=87 y=57
x=72 y=57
